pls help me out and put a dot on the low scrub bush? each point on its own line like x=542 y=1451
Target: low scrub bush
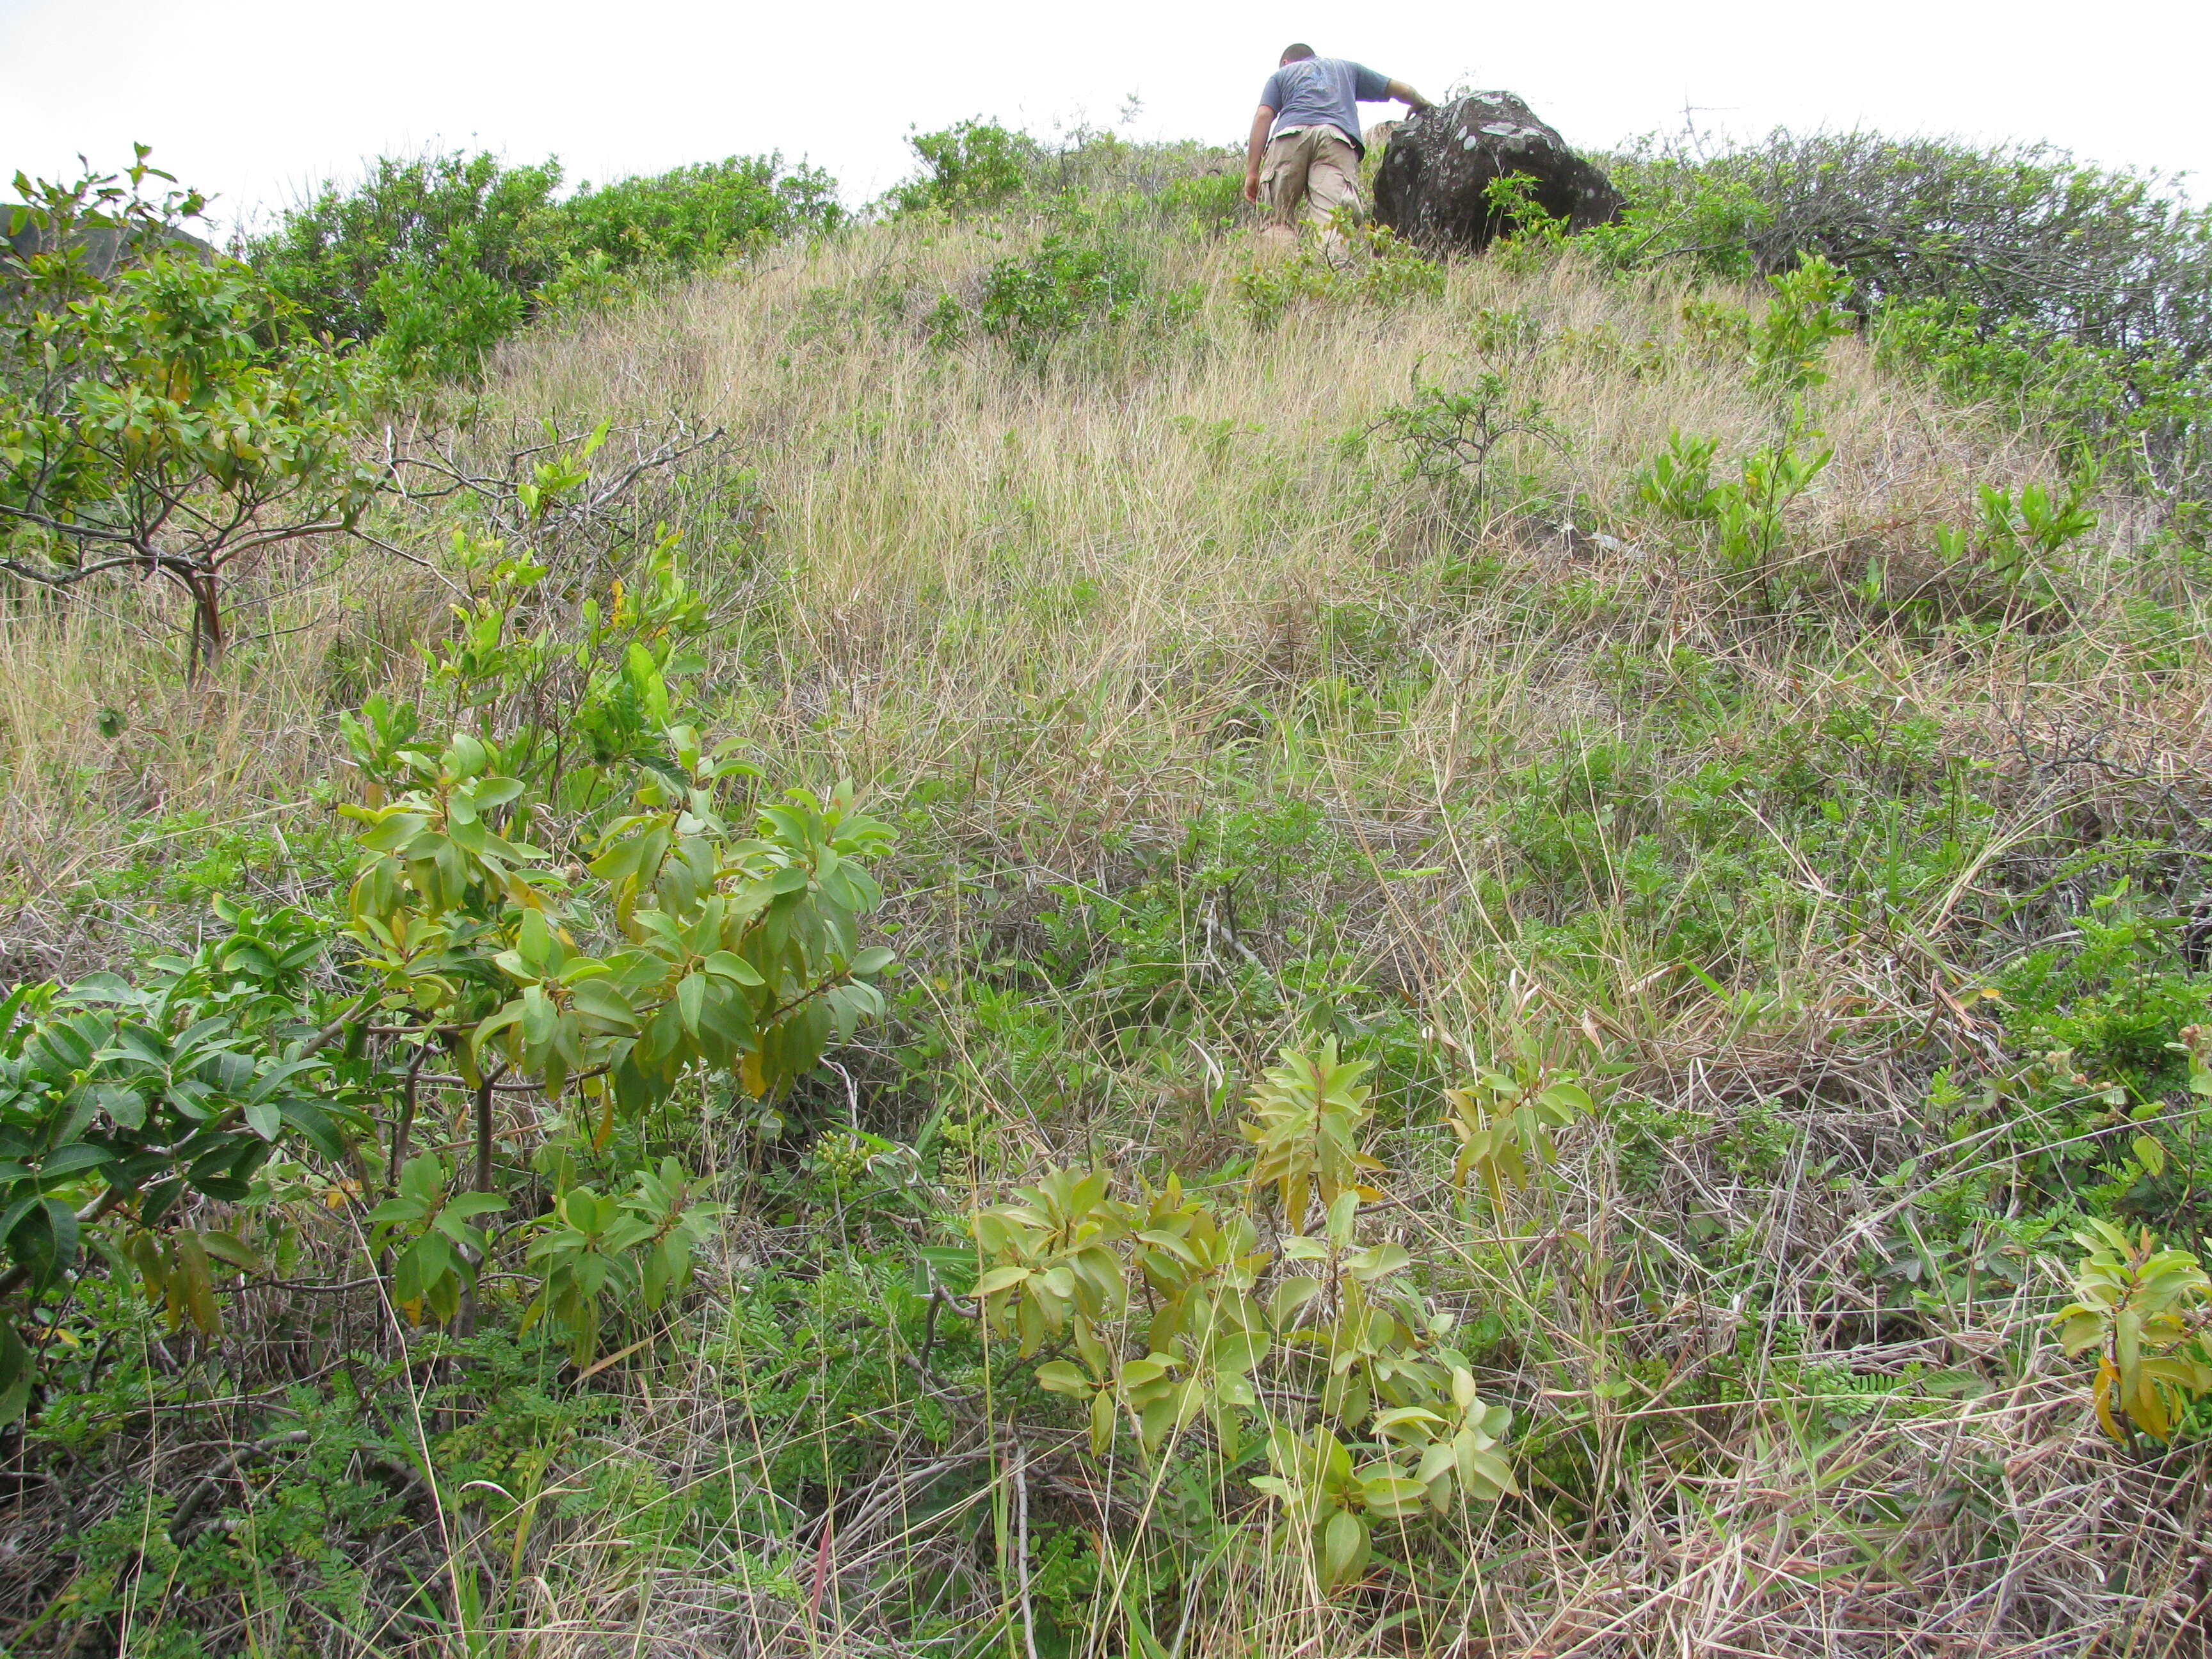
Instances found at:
x=1448 y=437
x=461 y=943
x=971 y=166
x=2068 y=294
x=978 y=166
x=2144 y=1312
x=1355 y=264
x=1033 y=304
x=1230 y=1327
x=440 y=257
x=2027 y=233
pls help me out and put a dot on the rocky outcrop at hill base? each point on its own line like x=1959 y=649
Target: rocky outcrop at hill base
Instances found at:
x=1432 y=183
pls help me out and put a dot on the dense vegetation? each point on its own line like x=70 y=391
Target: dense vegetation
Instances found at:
x=2078 y=300
x=438 y=258
x=1550 y=986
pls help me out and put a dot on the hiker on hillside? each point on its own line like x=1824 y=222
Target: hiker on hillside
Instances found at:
x=1303 y=157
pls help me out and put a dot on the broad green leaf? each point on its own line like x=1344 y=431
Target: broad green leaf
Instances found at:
x=600 y=999
x=314 y=1124
x=691 y=998
x=1393 y=1496
x=227 y=1247
x=1240 y=1351
x=1343 y=1218
x=1484 y=1474
x=1063 y=1376
x=584 y=1209
x=70 y=1159
x=727 y=964
x=1290 y=1296
x=1102 y=1423
x=539 y=1016
x=1139 y=1372
x=395 y=831
x=1405 y=1423
x=1344 y=1549
x=1437 y=1460
x=1378 y=1261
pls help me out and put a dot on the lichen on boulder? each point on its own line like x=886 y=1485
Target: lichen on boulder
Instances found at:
x=1432 y=186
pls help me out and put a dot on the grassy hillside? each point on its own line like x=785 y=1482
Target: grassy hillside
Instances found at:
x=1365 y=662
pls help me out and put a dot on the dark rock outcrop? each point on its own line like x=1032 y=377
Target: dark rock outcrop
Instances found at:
x=1430 y=186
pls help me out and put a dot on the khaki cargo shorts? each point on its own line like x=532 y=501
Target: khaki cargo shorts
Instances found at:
x=1306 y=174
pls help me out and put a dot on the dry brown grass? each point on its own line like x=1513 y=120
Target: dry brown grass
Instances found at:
x=1061 y=607
x=1056 y=585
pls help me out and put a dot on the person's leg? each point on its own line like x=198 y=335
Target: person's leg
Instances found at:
x=1283 y=189
x=1332 y=178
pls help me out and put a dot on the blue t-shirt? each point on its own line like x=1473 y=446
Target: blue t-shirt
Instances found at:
x=1324 y=92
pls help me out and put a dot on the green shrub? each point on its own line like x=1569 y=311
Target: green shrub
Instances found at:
x=167 y=419
x=2107 y=1109
x=411 y=220
x=1527 y=234
x=1033 y=304
x=1447 y=437
x=2118 y=1000
x=1806 y=314
x=972 y=165
x=1375 y=267
x=2018 y=275
x=2019 y=232
x=1211 y=201
x=1747 y=517
x=688 y=217
x=1225 y=1329
x=2098 y=401
x=440 y=257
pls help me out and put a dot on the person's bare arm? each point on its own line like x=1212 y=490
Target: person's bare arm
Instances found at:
x=1406 y=95
x=1254 y=148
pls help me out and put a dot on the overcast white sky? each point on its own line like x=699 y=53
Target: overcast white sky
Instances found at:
x=253 y=99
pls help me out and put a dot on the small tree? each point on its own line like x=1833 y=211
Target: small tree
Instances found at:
x=161 y=417
x=601 y=975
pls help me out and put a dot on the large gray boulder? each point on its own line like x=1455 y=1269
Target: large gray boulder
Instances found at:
x=1431 y=185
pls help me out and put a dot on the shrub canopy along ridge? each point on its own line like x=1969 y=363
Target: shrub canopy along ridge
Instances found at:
x=973 y=164
x=2021 y=231
x=2075 y=297
x=2017 y=273
x=440 y=256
